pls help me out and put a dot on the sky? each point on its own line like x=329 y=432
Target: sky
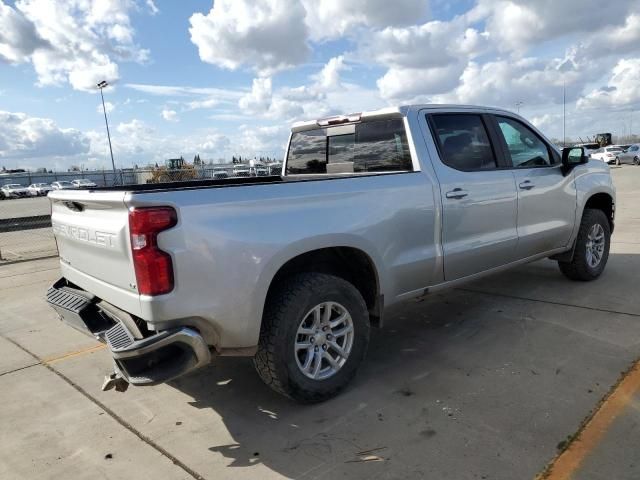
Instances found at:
x=229 y=77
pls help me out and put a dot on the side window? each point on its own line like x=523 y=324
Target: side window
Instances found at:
x=464 y=142
x=525 y=147
x=308 y=152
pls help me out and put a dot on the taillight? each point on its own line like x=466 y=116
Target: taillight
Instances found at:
x=154 y=269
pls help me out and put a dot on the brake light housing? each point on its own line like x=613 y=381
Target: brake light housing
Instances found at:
x=153 y=266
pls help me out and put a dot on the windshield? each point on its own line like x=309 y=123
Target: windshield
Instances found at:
x=13 y=185
x=614 y=149
x=64 y=183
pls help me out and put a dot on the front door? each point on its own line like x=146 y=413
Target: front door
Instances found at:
x=479 y=200
x=546 y=197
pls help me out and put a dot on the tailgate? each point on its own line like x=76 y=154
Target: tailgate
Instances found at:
x=92 y=233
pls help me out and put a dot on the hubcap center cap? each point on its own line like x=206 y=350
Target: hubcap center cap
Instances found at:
x=320 y=338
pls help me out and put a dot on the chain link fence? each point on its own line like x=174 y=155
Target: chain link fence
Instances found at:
x=25 y=212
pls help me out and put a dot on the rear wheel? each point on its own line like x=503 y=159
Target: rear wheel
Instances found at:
x=592 y=247
x=636 y=161
x=314 y=335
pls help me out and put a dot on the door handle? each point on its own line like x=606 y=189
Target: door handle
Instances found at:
x=526 y=185
x=457 y=193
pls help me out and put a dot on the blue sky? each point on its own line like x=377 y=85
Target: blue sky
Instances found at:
x=228 y=77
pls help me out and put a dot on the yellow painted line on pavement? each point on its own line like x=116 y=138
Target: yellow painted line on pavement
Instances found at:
x=76 y=353
x=565 y=466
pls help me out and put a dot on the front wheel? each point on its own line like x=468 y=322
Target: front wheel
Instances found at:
x=592 y=248
x=636 y=161
x=314 y=335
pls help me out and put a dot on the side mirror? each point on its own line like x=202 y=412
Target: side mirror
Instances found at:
x=572 y=157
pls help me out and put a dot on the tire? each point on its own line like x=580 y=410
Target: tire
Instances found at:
x=580 y=268
x=636 y=161
x=288 y=308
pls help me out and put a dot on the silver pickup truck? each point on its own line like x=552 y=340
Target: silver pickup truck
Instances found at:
x=370 y=209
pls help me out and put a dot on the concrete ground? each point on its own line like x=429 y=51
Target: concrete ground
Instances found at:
x=488 y=381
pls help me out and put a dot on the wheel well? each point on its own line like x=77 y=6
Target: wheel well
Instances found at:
x=604 y=202
x=350 y=264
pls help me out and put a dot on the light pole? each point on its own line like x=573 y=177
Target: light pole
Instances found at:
x=564 y=114
x=102 y=85
x=518 y=105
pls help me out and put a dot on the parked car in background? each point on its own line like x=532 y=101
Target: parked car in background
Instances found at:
x=607 y=154
x=83 y=183
x=38 y=189
x=62 y=185
x=220 y=173
x=372 y=209
x=241 y=171
x=14 y=190
x=631 y=155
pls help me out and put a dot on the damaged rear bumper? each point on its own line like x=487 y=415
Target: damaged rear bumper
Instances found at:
x=141 y=357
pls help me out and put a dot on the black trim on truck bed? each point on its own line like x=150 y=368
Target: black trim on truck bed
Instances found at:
x=144 y=187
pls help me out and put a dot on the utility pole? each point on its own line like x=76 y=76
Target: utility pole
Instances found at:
x=102 y=85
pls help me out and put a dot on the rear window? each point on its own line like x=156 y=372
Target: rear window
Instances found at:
x=376 y=146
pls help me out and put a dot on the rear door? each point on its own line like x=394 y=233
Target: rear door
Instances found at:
x=546 y=197
x=479 y=199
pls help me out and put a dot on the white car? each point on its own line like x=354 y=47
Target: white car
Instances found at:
x=14 y=190
x=83 y=183
x=38 y=189
x=241 y=171
x=62 y=185
x=607 y=154
x=220 y=173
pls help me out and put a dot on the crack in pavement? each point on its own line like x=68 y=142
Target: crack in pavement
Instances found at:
x=550 y=302
x=20 y=368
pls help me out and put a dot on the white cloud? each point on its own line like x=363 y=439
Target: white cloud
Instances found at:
x=328 y=19
x=519 y=25
x=69 y=41
x=266 y=36
x=108 y=106
x=259 y=98
x=418 y=85
x=170 y=115
x=325 y=93
x=263 y=140
x=329 y=76
x=153 y=9
x=33 y=141
x=206 y=103
x=433 y=44
x=622 y=89
x=18 y=37
x=214 y=143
